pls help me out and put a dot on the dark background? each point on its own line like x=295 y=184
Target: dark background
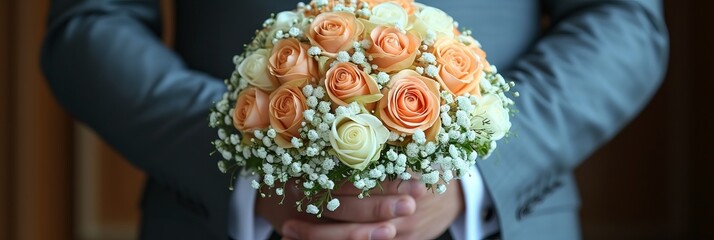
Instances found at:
x=653 y=181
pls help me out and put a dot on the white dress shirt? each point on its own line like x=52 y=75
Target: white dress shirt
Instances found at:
x=245 y=224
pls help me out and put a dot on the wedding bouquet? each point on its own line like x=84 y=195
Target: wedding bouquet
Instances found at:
x=359 y=92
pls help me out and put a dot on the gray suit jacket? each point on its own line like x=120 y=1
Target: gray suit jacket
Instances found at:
x=581 y=80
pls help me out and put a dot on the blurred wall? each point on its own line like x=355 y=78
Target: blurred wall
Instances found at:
x=59 y=181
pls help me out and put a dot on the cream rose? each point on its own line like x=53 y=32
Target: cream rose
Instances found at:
x=254 y=69
x=290 y=61
x=460 y=67
x=285 y=19
x=434 y=19
x=491 y=117
x=335 y=31
x=251 y=110
x=391 y=49
x=346 y=83
x=287 y=104
x=358 y=140
x=407 y=5
x=389 y=13
x=410 y=102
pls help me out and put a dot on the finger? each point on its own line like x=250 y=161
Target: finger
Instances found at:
x=412 y=187
x=294 y=229
x=372 y=209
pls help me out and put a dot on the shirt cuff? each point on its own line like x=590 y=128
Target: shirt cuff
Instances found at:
x=469 y=224
x=243 y=222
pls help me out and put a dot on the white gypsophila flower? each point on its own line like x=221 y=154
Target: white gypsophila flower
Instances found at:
x=322 y=180
x=444 y=138
x=401 y=160
x=412 y=150
x=323 y=107
x=432 y=70
x=440 y=188
x=359 y=184
x=314 y=51
x=389 y=169
x=222 y=134
x=419 y=137
x=393 y=136
x=295 y=32
x=235 y=139
x=430 y=178
x=261 y=153
x=333 y=204
x=254 y=184
x=258 y=134
x=329 y=185
x=307 y=168
x=454 y=151
x=419 y=70
x=308 y=184
x=446 y=119
x=430 y=148
x=312 y=135
x=313 y=176
x=222 y=166
x=405 y=176
x=465 y=103
x=399 y=169
x=228 y=120
x=447 y=176
x=448 y=98
x=268 y=168
x=358 y=58
x=343 y=56
x=312 y=209
x=270 y=158
x=319 y=92
x=296 y=167
x=311 y=102
x=328 y=118
x=269 y=179
x=473 y=156
x=286 y=159
x=296 y=142
x=272 y=133
x=323 y=127
x=375 y=173
x=227 y=155
x=382 y=77
x=471 y=135
x=454 y=134
x=311 y=151
x=268 y=142
x=247 y=153
x=445 y=108
x=342 y=111
x=307 y=90
x=279 y=191
x=391 y=155
x=328 y=164
x=428 y=58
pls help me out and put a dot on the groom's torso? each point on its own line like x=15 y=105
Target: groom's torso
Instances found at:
x=209 y=33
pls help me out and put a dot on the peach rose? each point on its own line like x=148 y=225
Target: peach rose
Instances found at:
x=287 y=104
x=408 y=5
x=290 y=61
x=346 y=83
x=460 y=67
x=334 y=31
x=393 y=50
x=251 y=111
x=411 y=102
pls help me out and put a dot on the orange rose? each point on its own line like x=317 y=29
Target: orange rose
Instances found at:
x=346 y=83
x=411 y=102
x=334 y=31
x=393 y=50
x=408 y=5
x=287 y=104
x=251 y=111
x=290 y=61
x=460 y=67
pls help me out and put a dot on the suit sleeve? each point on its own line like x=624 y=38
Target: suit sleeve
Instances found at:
x=590 y=73
x=105 y=64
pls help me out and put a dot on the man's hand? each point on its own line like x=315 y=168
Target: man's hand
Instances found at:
x=434 y=213
x=368 y=217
